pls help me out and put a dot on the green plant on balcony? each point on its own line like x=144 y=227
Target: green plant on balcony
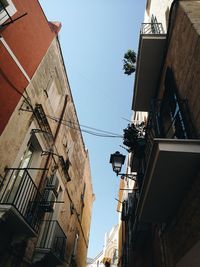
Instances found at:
x=129 y=62
x=134 y=139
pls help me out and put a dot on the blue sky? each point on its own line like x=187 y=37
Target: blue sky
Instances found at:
x=94 y=37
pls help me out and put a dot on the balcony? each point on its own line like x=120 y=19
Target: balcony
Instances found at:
x=51 y=244
x=171 y=160
x=172 y=165
x=149 y=61
x=19 y=202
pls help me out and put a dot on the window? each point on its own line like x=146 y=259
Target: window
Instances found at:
x=154 y=25
x=3 y=4
x=16 y=191
x=26 y=158
x=171 y=112
x=9 y=12
x=54 y=96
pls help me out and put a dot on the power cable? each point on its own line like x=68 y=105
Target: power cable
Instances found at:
x=99 y=132
x=85 y=126
x=85 y=131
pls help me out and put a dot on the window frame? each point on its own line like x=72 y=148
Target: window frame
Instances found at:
x=171 y=113
x=11 y=10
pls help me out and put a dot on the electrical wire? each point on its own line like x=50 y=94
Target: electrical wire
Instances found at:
x=88 y=127
x=99 y=134
x=97 y=131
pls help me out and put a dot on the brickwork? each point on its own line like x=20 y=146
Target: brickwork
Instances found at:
x=184 y=56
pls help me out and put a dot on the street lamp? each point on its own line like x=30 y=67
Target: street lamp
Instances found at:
x=117 y=160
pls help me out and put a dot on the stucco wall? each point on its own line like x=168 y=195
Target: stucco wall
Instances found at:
x=160 y=9
x=28 y=38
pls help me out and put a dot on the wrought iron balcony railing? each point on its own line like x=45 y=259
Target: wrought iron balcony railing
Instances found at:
x=19 y=190
x=152 y=28
x=166 y=120
x=52 y=239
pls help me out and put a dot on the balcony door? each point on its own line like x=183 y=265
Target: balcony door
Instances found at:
x=17 y=177
x=19 y=187
x=173 y=125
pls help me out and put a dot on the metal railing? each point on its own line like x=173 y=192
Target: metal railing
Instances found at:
x=152 y=28
x=19 y=190
x=52 y=238
x=178 y=126
x=43 y=122
x=4 y=8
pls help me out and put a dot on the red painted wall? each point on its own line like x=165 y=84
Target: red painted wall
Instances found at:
x=29 y=39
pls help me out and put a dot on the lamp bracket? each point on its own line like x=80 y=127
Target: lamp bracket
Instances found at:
x=129 y=176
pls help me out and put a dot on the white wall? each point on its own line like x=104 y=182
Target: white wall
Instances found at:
x=160 y=9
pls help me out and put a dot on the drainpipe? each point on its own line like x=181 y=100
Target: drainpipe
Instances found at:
x=61 y=118
x=55 y=138
x=75 y=246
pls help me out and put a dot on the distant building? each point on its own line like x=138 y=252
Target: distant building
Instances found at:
x=97 y=261
x=89 y=261
x=160 y=216
x=109 y=255
x=46 y=193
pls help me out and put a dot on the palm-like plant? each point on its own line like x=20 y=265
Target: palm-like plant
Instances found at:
x=129 y=62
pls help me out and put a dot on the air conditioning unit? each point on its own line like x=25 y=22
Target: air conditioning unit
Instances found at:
x=50 y=193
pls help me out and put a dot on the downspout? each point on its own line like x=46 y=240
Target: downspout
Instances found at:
x=55 y=138
x=61 y=118
x=75 y=246
x=79 y=221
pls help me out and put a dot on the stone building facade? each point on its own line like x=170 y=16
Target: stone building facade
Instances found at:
x=46 y=191
x=163 y=225
x=108 y=257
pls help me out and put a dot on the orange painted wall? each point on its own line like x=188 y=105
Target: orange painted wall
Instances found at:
x=29 y=39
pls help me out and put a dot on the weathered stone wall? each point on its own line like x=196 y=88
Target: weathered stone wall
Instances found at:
x=183 y=57
x=85 y=218
x=69 y=144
